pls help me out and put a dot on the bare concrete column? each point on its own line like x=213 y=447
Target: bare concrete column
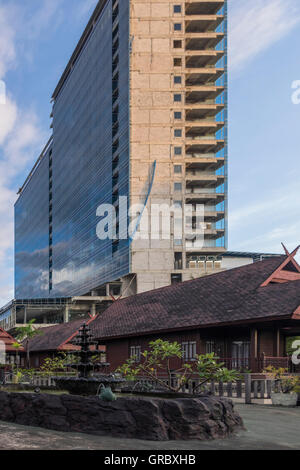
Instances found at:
x=107 y=290
x=93 y=310
x=66 y=314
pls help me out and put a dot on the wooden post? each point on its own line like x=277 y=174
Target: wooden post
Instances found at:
x=255 y=389
x=262 y=389
x=269 y=388
x=278 y=343
x=247 y=389
x=253 y=350
x=239 y=389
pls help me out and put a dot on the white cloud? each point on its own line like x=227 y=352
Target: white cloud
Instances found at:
x=257 y=24
x=7 y=41
x=48 y=14
x=20 y=145
x=263 y=225
x=8 y=117
x=86 y=7
x=21 y=138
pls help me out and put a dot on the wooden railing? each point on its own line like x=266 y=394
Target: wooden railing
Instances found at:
x=232 y=363
x=260 y=364
x=246 y=390
x=279 y=362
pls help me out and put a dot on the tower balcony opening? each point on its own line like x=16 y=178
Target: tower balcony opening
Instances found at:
x=204 y=180
x=209 y=234
x=203 y=7
x=204 y=145
x=213 y=216
x=197 y=112
x=200 y=59
x=203 y=94
x=204 y=198
x=203 y=41
x=203 y=23
x=202 y=76
x=215 y=246
x=204 y=164
x=202 y=129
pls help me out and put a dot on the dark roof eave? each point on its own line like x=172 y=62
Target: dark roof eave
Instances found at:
x=38 y=350
x=188 y=328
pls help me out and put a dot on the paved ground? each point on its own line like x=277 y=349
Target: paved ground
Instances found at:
x=267 y=428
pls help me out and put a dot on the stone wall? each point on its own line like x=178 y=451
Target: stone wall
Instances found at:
x=139 y=418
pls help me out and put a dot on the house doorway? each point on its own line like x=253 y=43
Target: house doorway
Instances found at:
x=240 y=353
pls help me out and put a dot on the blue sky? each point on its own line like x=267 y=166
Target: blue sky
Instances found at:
x=37 y=38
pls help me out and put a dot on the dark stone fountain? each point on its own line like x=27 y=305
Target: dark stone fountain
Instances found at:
x=85 y=384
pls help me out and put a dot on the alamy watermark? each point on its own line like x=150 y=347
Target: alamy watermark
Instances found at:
x=296 y=93
x=2 y=92
x=296 y=354
x=160 y=221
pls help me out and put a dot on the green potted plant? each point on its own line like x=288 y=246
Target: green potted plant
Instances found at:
x=297 y=390
x=17 y=377
x=286 y=387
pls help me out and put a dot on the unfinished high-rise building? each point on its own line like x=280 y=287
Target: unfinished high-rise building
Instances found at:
x=178 y=118
x=140 y=111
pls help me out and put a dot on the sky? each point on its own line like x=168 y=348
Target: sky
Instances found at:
x=37 y=38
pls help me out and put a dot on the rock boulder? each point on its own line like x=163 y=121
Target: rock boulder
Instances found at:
x=156 y=419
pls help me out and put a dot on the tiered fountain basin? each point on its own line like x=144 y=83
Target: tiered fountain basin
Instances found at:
x=86 y=386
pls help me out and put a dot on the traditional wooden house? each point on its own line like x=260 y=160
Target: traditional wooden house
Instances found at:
x=54 y=340
x=10 y=354
x=244 y=315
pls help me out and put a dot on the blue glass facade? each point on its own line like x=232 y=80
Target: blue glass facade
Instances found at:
x=88 y=166
x=32 y=236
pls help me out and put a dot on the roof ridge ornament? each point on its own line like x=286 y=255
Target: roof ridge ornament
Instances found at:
x=287 y=251
x=281 y=276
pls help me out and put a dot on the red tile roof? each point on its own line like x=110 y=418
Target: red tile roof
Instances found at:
x=8 y=340
x=222 y=298
x=57 y=337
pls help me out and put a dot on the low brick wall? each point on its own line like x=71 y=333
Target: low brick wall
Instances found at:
x=154 y=419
